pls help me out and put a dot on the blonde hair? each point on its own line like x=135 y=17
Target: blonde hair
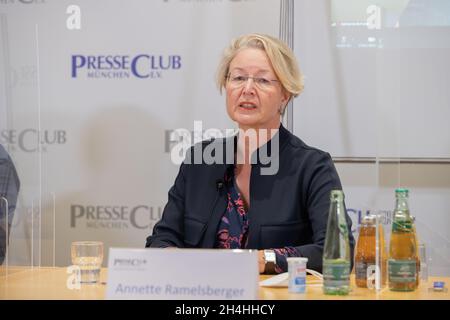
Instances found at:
x=280 y=56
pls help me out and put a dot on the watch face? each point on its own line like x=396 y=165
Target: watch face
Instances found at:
x=269 y=255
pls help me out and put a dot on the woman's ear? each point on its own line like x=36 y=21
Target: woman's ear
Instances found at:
x=286 y=96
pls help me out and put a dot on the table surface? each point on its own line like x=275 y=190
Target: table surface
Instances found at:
x=51 y=283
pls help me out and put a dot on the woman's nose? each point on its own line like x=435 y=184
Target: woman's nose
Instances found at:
x=249 y=86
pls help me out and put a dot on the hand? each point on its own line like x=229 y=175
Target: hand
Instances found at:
x=261 y=261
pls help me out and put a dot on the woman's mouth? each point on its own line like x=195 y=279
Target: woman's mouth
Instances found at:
x=247 y=106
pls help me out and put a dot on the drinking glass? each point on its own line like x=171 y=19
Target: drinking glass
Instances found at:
x=88 y=256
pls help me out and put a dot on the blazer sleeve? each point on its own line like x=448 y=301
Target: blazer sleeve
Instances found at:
x=322 y=177
x=169 y=231
x=9 y=190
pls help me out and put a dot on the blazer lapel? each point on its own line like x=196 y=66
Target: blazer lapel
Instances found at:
x=218 y=206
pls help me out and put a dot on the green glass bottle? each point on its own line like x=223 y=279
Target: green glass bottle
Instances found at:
x=402 y=263
x=336 y=253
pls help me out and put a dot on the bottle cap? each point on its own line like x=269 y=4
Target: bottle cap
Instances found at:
x=401 y=192
x=297 y=259
x=337 y=195
x=369 y=220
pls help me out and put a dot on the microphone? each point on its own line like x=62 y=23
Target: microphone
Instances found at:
x=219 y=184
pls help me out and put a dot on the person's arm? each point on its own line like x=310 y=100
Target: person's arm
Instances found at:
x=9 y=191
x=320 y=179
x=169 y=231
x=323 y=178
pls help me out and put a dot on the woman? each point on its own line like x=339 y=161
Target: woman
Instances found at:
x=234 y=204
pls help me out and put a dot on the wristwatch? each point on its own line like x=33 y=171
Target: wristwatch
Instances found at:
x=269 y=261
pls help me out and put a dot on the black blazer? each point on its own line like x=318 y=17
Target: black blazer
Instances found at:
x=289 y=208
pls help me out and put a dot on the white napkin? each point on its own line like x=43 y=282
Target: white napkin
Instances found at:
x=280 y=280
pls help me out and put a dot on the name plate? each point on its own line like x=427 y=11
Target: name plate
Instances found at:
x=187 y=274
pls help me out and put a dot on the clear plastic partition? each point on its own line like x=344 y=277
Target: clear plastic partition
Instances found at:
x=21 y=148
x=376 y=98
x=88 y=103
x=413 y=139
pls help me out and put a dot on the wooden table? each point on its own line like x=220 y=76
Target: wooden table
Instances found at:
x=51 y=283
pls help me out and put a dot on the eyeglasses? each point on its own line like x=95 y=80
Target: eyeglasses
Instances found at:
x=238 y=81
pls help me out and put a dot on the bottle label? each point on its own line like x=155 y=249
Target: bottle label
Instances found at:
x=361 y=269
x=336 y=273
x=402 y=271
x=402 y=225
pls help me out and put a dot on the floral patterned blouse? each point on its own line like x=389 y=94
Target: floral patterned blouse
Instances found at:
x=234 y=226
